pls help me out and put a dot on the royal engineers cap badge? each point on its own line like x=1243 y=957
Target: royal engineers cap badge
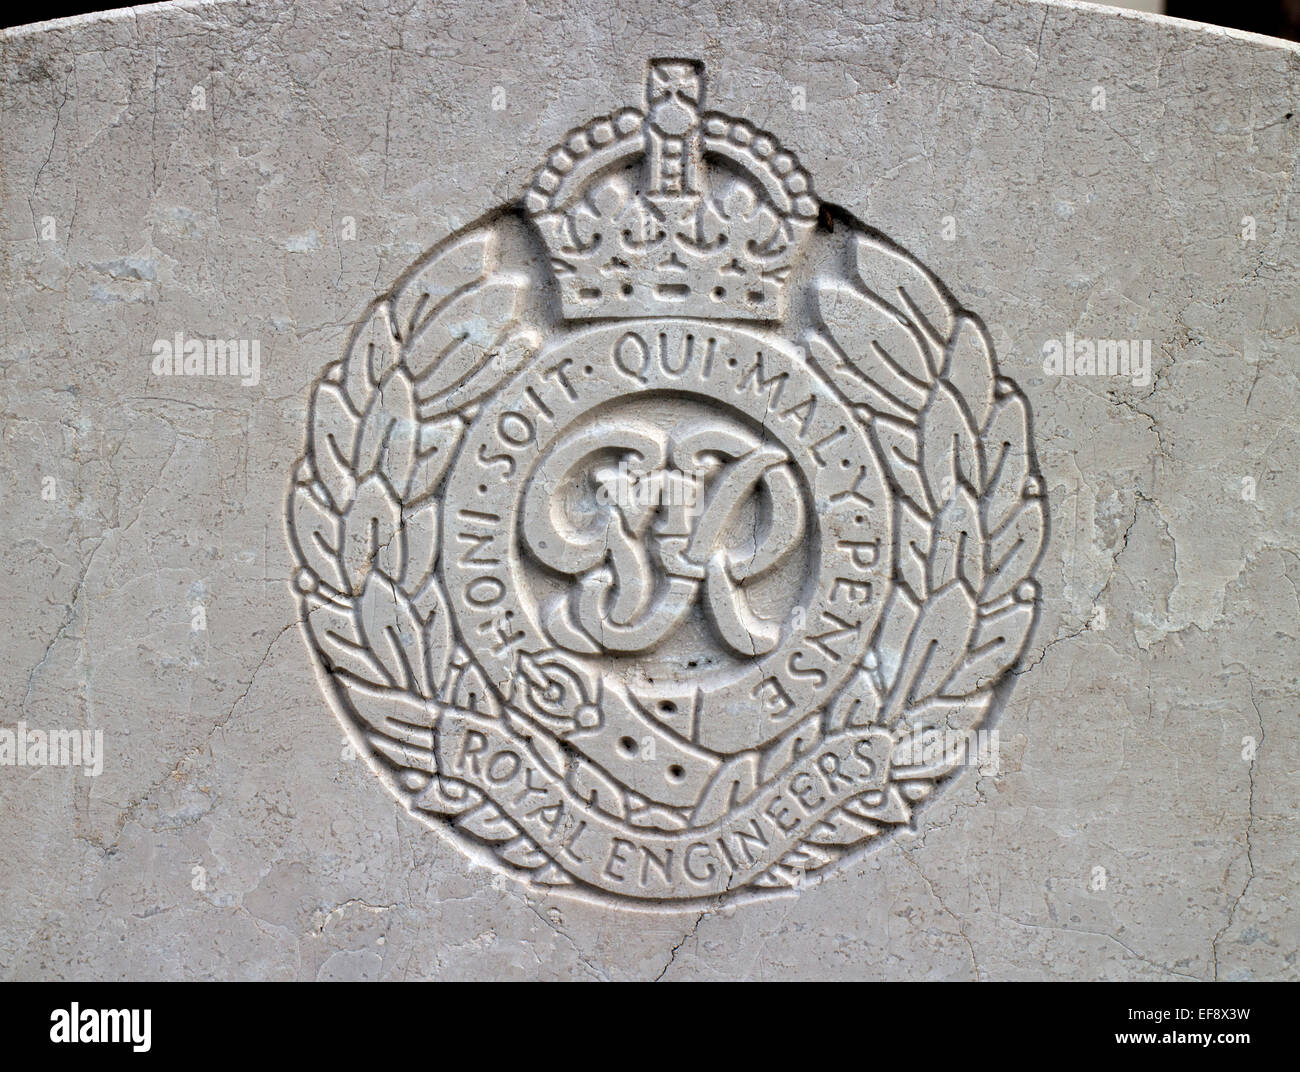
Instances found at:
x=667 y=536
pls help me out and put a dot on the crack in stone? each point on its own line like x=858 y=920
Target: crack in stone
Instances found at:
x=672 y=953
x=961 y=929
x=1250 y=828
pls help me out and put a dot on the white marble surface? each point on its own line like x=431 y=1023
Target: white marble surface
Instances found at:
x=262 y=172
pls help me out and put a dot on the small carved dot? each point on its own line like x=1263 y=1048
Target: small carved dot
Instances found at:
x=676 y=773
x=627 y=746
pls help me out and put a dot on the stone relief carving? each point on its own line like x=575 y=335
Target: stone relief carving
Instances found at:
x=670 y=572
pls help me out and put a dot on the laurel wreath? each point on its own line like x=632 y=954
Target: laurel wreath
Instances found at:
x=919 y=371
x=970 y=527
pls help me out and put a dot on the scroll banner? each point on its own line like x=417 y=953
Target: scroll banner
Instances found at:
x=604 y=852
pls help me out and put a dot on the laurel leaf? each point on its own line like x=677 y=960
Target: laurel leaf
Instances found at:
x=396 y=715
x=900 y=451
x=471 y=692
x=777 y=757
x=464 y=336
x=949 y=447
x=407 y=756
x=899 y=280
x=856 y=704
x=389 y=433
x=504 y=361
x=447 y=269
x=896 y=624
x=371 y=350
x=402 y=451
x=341 y=644
x=373 y=533
x=438 y=641
x=913 y=557
x=937 y=644
x=733 y=784
x=333 y=432
x=891 y=810
x=488 y=823
x=1006 y=445
x=438 y=443
x=957 y=544
x=927 y=753
x=657 y=818
x=550 y=875
x=524 y=853
x=996 y=644
x=832 y=363
x=394 y=634
x=447 y=796
x=968 y=366
x=1014 y=550
x=806 y=858
x=596 y=788
x=877 y=342
x=318 y=536
x=961 y=713
x=839 y=828
x=422 y=544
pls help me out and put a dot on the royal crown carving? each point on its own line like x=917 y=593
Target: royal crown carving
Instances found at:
x=670 y=211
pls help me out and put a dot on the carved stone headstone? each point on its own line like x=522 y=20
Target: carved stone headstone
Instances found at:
x=813 y=484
